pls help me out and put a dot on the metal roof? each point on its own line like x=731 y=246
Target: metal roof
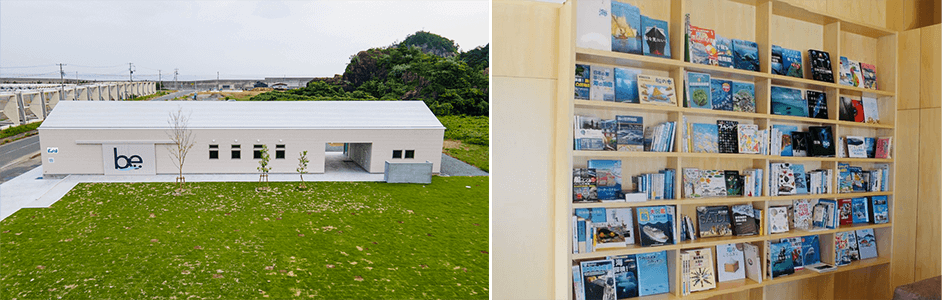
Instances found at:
x=243 y=115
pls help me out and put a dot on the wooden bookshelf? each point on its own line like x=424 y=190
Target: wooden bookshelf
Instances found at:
x=767 y=22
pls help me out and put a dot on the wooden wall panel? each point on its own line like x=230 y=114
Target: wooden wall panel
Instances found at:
x=908 y=92
x=930 y=178
x=930 y=93
x=524 y=39
x=715 y=14
x=796 y=34
x=660 y=10
x=870 y=12
x=904 y=203
x=860 y=48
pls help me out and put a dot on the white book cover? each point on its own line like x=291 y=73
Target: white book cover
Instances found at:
x=753 y=265
x=856 y=147
x=778 y=219
x=702 y=275
x=594 y=24
x=803 y=214
x=712 y=183
x=577 y=283
x=602 y=84
x=730 y=264
x=871 y=110
x=575 y=234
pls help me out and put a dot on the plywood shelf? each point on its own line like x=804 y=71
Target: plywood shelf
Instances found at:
x=698 y=155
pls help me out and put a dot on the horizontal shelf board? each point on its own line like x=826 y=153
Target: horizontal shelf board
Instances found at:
x=731 y=73
x=842 y=228
x=858 y=91
x=726 y=287
x=805 y=83
x=804 y=274
x=828 y=196
x=713 y=241
x=865 y=30
x=719 y=200
x=696 y=155
x=630 y=249
x=621 y=154
x=618 y=59
x=625 y=106
x=864 y=125
x=623 y=204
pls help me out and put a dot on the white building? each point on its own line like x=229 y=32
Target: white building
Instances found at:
x=126 y=138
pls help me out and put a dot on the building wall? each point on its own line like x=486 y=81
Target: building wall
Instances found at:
x=361 y=153
x=87 y=159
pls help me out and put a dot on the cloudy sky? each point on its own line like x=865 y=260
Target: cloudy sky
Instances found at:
x=239 y=39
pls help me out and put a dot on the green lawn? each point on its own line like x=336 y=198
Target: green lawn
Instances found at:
x=472 y=133
x=14 y=130
x=225 y=240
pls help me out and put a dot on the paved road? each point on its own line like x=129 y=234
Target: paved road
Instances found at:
x=18 y=149
x=173 y=95
x=20 y=167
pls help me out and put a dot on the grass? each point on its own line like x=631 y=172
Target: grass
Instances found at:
x=152 y=96
x=226 y=240
x=14 y=130
x=467 y=139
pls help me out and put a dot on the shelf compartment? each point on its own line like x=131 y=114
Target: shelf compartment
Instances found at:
x=804 y=274
x=625 y=106
x=629 y=249
x=726 y=287
x=618 y=59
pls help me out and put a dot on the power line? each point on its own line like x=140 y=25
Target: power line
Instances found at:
x=25 y=67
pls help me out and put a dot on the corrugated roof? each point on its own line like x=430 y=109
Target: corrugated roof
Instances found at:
x=243 y=115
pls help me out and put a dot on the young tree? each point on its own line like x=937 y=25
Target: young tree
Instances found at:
x=302 y=167
x=263 y=165
x=181 y=136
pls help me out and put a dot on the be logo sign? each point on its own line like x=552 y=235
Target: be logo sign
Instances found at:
x=125 y=163
x=128 y=159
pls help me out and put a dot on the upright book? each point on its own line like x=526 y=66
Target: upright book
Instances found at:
x=583 y=82
x=869 y=73
x=746 y=55
x=866 y=243
x=626 y=85
x=702 y=276
x=820 y=65
x=617 y=231
x=753 y=264
x=810 y=250
x=656 y=37
x=750 y=140
x=727 y=136
x=879 y=210
x=705 y=138
x=656 y=90
x=721 y=94
x=630 y=133
x=786 y=62
x=744 y=97
x=698 y=90
x=653 y=275
x=598 y=279
x=845 y=209
x=871 y=111
x=781 y=261
x=626 y=276
x=626 y=28
x=817 y=104
x=744 y=220
x=778 y=219
x=788 y=102
x=703 y=46
x=655 y=225
x=847 y=110
x=594 y=25
x=822 y=141
x=608 y=178
x=860 y=210
x=603 y=83
x=730 y=263
x=802 y=214
x=583 y=185
x=850 y=73
x=724 y=51
x=845 y=248
x=713 y=221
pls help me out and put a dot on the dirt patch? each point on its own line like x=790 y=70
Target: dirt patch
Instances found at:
x=452 y=144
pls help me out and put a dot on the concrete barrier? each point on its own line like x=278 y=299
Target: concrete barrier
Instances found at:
x=408 y=172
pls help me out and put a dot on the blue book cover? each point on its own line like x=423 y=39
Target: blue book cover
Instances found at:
x=745 y=55
x=630 y=133
x=705 y=138
x=626 y=28
x=626 y=85
x=721 y=93
x=626 y=276
x=788 y=102
x=597 y=215
x=871 y=146
x=777 y=68
x=811 y=249
x=584 y=213
x=791 y=63
x=831 y=219
x=801 y=183
x=786 y=131
x=652 y=273
x=698 y=90
x=598 y=279
x=656 y=37
x=724 y=51
x=609 y=134
x=583 y=82
x=580 y=227
x=656 y=225
x=744 y=97
x=860 y=211
x=879 y=209
x=866 y=243
x=781 y=260
x=608 y=178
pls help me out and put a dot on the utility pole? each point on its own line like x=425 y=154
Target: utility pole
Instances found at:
x=61 y=75
x=130 y=72
x=158 y=76
x=175 y=84
x=217 y=80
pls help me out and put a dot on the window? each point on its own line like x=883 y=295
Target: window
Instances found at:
x=397 y=153
x=236 y=151
x=257 y=153
x=410 y=153
x=213 y=151
x=279 y=151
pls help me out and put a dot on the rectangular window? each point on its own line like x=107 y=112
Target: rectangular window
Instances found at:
x=397 y=153
x=410 y=153
x=279 y=151
x=257 y=153
x=213 y=151
x=236 y=151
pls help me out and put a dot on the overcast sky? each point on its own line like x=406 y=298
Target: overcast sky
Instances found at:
x=239 y=39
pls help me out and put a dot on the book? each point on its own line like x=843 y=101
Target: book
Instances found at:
x=656 y=90
x=594 y=24
x=713 y=221
x=698 y=90
x=608 y=178
x=869 y=74
x=655 y=225
x=711 y=183
x=577 y=287
x=786 y=62
x=830 y=213
x=822 y=141
x=879 y=210
x=778 y=219
x=583 y=82
x=721 y=94
x=702 y=276
x=817 y=104
x=859 y=115
x=727 y=136
x=598 y=279
x=626 y=28
x=822 y=267
x=777 y=60
x=845 y=209
x=871 y=111
x=810 y=250
x=797 y=258
x=724 y=51
x=847 y=110
x=801 y=183
x=652 y=273
x=860 y=212
x=587 y=133
x=691 y=181
x=703 y=46
x=866 y=243
x=744 y=97
x=850 y=72
x=856 y=147
x=705 y=138
x=656 y=38
x=603 y=83
x=802 y=214
x=626 y=276
x=580 y=234
x=730 y=264
x=780 y=259
x=744 y=220
x=745 y=55
x=753 y=266
x=785 y=138
x=617 y=231
x=820 y=65
x=749 y=141
x=609 y=134
x=884 y=146
x=819 y=216
x=733 y=183
x=583 y=185
x=626 y=85
x=784 y=178
x=630 y=133
x=845 y=248
x=685 y=271
x=788 y=102
x=801 y=143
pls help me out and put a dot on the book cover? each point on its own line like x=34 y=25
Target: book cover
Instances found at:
x=802 y=214
x=609 y=134
x=583 y=82
x=845 y=211
x=777 y=61
x=797 y=258
x=703 y=46
x=745 y=55
x=594 y=24
x=577 y=286
x=871 y=145
x=778 y=219
x=691 y=181
x=801 y=183
x=698 y=90
x=820 y=65
x=598 y=279
x=817 y=104
x=655 y=225
x=850 y=72
x=859 y=117
x=831 y=219
x=730 y=262
x=744 y=220
x=608 y=178
x=879 y=209
x=583 y=185
x=713 y=221
x=626 y=85
x=810 y=250
x=860 y=212
x=656 y=90
x=819 y=215
x=785 y=178
x=749 y=141
x=733 y=183
x=721 y=94
x=884 y=145
x=780 y=256
x=727 y=136
x=744 y=97
x=705 y=138
x=788 y=102
x=630 y=133
x=848 y=111
x=712 y=183
x=856 y=147
x=617 y=231
x=587 y=133
x=866 y=243
x=791 y=63
x=857 y=73
x=603 y=83
x=702 y=275
x=753 y=265
x=871 y=110
x=724 y=51
x=626 y=28
x=656 y=37
x=652 y=273
x=845 y=248
x=822 y=141
x=626 y=276
x=801 y=143
x=869 y=74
